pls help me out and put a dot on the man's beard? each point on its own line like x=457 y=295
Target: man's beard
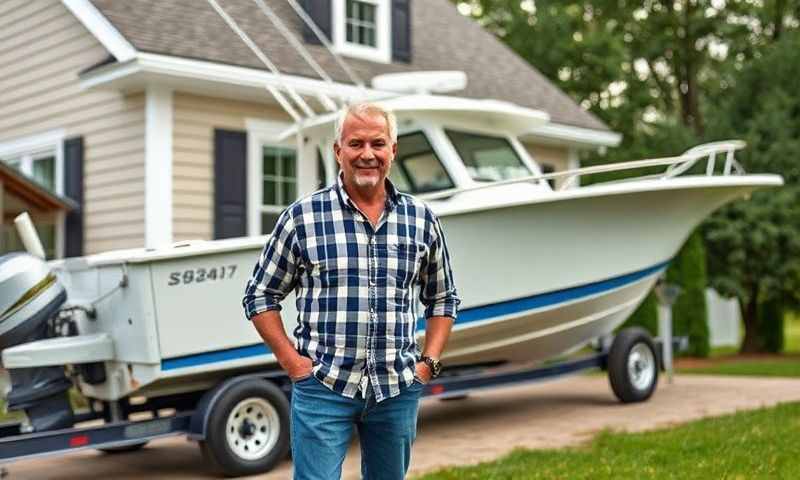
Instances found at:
x=368 y=181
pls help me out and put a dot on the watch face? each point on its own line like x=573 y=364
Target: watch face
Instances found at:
x=436 y=367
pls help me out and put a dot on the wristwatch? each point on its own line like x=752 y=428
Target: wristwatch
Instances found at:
x=433 y=363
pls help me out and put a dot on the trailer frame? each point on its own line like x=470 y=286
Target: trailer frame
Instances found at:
x=192 y=410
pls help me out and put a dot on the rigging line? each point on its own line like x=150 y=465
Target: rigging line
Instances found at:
x=261 y=56
x=246 y=39
x=293 y=41
x=324 y=39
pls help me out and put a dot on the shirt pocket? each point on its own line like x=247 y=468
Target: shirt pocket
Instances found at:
x=403 y=263
x=323 y=271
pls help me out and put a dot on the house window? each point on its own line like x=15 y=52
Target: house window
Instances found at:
x=362 y=29
x=360 y=23
x=39 y=157
x=41 y=168
x=279 y=183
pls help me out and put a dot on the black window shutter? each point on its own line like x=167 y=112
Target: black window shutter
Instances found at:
x=401 y=31
x=320 y=11
x=230 y=184
x=73 y=189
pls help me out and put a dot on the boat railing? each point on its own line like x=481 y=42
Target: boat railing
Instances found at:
x=676 y=165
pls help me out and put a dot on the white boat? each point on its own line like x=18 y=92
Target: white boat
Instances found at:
x=541 y=271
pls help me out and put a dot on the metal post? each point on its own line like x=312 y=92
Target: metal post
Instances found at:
x=667 y=293
x=665 y=332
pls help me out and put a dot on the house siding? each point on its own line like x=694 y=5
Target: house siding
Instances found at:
x=43 y=47
x=195 y=118
x=557 y=157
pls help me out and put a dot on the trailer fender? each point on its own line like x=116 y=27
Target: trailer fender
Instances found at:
x=200 y=417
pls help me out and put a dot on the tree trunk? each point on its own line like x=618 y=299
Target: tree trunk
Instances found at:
x=752 y=342
x=687 y=82
x=780 y=8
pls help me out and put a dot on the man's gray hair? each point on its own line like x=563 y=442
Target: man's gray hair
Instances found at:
x=365 y=108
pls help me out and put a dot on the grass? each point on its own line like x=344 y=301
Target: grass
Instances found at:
x=792 y=332
x=76 y=399
x=10 y=416
x=757 y=367
x=726 y=361
x=754 y=444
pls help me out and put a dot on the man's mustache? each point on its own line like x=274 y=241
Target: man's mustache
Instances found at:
x=367 y=163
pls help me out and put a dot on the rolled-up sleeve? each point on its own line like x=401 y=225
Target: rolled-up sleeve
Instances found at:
x=438 y=290
x=275 y=273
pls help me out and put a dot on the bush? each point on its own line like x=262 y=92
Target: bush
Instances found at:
x=689 y=314
x=645 y=316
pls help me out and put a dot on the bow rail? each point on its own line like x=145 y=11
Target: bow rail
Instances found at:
x=676 y=166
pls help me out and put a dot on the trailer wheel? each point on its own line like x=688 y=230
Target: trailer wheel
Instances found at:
x=633 y=365
x=248 y=429
x=124 y=449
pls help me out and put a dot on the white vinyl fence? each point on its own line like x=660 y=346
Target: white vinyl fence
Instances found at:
x=724 y=320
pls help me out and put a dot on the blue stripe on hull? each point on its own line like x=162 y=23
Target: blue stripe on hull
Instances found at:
x=467 y=315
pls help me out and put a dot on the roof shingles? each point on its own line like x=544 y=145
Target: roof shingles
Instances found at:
x=442 y=39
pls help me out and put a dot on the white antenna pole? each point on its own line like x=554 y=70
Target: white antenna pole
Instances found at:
x=28 y=235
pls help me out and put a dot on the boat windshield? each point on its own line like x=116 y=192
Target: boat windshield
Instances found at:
x=416 y=167
x=488 y=158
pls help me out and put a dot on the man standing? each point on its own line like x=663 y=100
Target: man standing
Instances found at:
x=355 y=253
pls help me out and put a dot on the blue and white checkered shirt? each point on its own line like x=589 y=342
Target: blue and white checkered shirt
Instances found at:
x=355 y=286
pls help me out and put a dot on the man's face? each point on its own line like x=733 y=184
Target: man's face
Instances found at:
x=365 y=151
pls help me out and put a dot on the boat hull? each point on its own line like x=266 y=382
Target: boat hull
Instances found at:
x=560 y=253
x=537 y=278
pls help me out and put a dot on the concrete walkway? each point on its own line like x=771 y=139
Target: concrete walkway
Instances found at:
x=482 y=427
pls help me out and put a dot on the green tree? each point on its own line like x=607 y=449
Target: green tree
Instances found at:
x=754 y=246
x=635 y=63
x=653 y=71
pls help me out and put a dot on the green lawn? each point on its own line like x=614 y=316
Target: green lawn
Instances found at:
x=9 y=417
x=768 y=367
x=754 y=444
x=78 y=402
x=792 y=332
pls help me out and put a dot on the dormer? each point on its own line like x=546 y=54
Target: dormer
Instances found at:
x=374 y=30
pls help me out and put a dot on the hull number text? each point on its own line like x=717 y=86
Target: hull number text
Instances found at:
x=199 y=275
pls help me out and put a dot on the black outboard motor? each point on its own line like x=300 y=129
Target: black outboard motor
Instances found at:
x=30 y=295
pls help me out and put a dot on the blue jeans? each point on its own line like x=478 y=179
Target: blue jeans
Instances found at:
x=322 y=426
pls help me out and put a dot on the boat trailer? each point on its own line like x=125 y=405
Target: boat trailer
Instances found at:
x=632 y=361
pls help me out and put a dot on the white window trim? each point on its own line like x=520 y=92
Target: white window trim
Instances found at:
x=261 y=133
x=30 y=148
x=383 y=38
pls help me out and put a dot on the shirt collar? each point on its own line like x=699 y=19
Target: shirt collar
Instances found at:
x=392 y=195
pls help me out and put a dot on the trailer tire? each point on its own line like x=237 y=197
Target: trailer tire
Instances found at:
x=248 y=429
x=633 y=365
x=124 y=449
